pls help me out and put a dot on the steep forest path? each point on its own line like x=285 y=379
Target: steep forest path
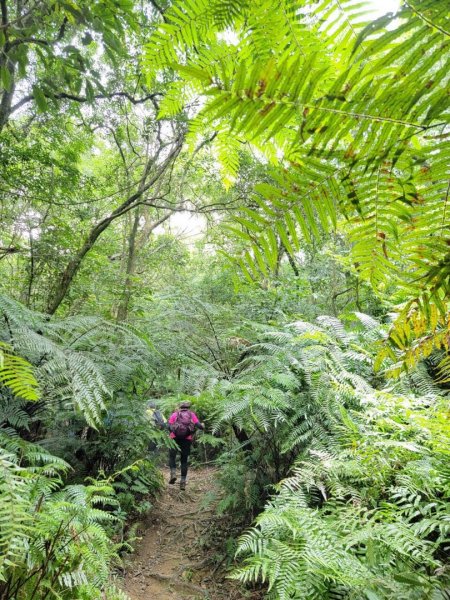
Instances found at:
x=169 y=563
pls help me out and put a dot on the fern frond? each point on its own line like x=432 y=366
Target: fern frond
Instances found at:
x=17 y=374
x=354 y=111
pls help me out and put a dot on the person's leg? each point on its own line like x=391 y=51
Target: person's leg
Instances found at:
x=185 y=446
x=173 y=465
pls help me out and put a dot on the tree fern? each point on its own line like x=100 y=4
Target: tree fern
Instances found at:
x=356 y=111
x=288 y=392
x=80 y=361
x=54 y=541
x=17 y=374
x=363 y=512
x=376 y=524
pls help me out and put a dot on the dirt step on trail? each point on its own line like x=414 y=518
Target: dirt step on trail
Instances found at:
x=167 y=565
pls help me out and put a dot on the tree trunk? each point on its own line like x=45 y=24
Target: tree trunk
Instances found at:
x=130 y=203
x=122 y=311
x=292 y=262
x=7 y=96
x=134 y=246
x=29 y=289
x=7 y=64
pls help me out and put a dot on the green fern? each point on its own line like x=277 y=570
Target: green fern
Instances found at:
x=55 y=542
x=364 y=510
x=355 y=113
x=369 y=519
x=81 y=360
x=17 y=374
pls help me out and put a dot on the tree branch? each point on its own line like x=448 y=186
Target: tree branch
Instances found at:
x=4 y=10
x=9 y=250
x=81 y=99
x=343 y=292
x=129 y=204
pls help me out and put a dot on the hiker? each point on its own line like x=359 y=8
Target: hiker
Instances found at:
x=182 y=426
x=158 y=421
x=155 y=415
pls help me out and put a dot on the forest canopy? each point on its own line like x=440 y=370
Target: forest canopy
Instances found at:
x=243 y=204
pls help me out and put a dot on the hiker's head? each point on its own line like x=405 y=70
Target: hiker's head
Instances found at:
x=185 y=404
x=151 y=404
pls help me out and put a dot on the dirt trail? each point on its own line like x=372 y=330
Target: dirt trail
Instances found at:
x=165 y=566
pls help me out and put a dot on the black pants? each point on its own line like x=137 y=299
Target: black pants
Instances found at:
x=184 y=446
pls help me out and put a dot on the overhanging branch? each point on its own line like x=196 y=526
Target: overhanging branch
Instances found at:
x=83 y=99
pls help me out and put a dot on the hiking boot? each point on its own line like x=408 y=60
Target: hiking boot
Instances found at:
x=173 y=476
x=183 y=483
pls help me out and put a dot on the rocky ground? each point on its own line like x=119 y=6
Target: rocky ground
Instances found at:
x=171 y=562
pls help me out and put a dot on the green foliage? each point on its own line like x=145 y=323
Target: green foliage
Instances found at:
x=365 y=512
x=242 y=484
x=135 y=484
x=52 y=47
x=17 y=374
x=368 y=520
x=191 y=334
x=328 y=128
x=78 y=358
x=354 y=113
x=53 y=540
x=290 y=377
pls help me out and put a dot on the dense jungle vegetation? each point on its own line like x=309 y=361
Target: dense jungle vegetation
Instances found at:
x=244 y=203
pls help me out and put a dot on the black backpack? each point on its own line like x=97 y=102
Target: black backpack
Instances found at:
x=157 y=417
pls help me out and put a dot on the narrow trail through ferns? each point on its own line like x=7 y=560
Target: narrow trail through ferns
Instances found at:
x=169 y=563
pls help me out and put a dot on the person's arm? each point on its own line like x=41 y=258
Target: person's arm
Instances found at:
x=197 y=423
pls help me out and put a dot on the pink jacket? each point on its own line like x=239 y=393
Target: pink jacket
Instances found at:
x=173 y=418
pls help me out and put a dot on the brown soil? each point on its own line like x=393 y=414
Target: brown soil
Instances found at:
x=169 y=563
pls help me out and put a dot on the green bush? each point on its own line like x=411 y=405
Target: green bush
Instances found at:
x=55 y=541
